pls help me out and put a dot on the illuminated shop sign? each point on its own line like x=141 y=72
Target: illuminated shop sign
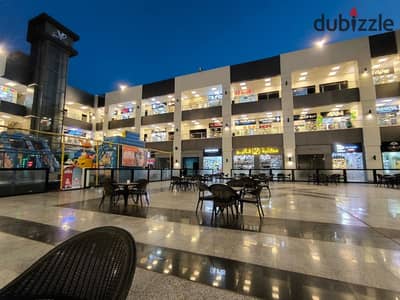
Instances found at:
x=335 y=113
x=257 y=151
x=242 y=92
x=126 y=110
x=385 y=71
x=245 y=122
x=312 y=116
x=276 y=119
x=215 y=125
x=8 y=94
x=248 y=98
x=212 y=152
x=390 y=147
x=215 y=97
x=75 y=132
x=387 y=109
x=347 y=148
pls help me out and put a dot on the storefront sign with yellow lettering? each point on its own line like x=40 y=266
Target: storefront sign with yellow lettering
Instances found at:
x=257 y=151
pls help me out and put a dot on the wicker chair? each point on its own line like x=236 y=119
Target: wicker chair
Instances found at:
x=224 y=197
x=96 y=264
x=203 y=189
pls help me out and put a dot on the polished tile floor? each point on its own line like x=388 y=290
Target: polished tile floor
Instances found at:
x=315 y=242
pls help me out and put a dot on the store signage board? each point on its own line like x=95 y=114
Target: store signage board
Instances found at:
x=212 y=152
x=387 y=109
x=215 y=125
x=245 y=122
x=276 y=119
x=257 y=151
x=347 y=148
x=335 y=113
x=385 y=71
x=312 y=116
x=390 y=147
x=248 y=98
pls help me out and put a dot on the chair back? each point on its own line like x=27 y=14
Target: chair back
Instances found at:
x=96 y=264
x=108 y=186
x=223 y=193
x=142 y=184
x=235 y=182
x=203 y=187
x=249 y=183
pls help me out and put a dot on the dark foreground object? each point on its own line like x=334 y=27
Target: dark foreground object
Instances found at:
x=96 y=264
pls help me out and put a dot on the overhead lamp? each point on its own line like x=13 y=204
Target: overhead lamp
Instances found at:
x=376 y=66
x=244 y=88
x=382 y=60
x=302 y=78
x=169 y=96
x=304 y=74
x=336 y=68
x=193 y=92
x=83 y=107
x=380 y=104
x=267 y=79
x=242 y=83
x=10 y=83
x=387 y=100
x=332 y=73
x=153 y=99
x=122 y=87
x=268 y=84
x=320 y=43
x=214 y=89
x=339 y=105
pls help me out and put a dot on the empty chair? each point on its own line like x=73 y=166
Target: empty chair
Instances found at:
x=140 y=190
x=112 y=191
x=263 y=181
x=254 y=197
x=96 y=264
x=203 y=189
x=224 y=198
x=175 y=183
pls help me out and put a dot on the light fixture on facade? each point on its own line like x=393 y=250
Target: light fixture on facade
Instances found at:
x=339 y=105
x=169 y=96
x=320 y=43
x=122 y=87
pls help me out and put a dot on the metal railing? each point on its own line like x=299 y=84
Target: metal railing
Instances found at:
x=308 y=175
x=18 y=181
x=95 y=177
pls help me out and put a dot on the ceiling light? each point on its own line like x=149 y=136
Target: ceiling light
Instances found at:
x=244 y=88
x=11 y=84
x=268 y=84
x=376 y=66
x=267 y=79
x=336 y=68
x=302 y=78
x=169 y=96
x=320 y=43
x=122 y=87
x=5 y=117
x=194 y=121
x=83 y=107
x=29 y=90
x=193 y=92
x=119 y=105
x=70 y=102
x=154 y=99
x=380 y=104
x=242 y=83
x=332 y=73
x=133 y=102
x=306 y=109
x=387 y=100
x=214 y=89
x=382 y=60
x=339 y=105
x=304 y=74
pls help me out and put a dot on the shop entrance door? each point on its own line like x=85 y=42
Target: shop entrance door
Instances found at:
x=311 y=161
x=190 y=165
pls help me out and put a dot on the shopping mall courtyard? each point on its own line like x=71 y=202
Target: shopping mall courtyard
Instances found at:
x=315 y=242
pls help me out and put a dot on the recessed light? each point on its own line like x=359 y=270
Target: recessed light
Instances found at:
x=302 y=78
x=304 y=74
x=267 y=79
x=242 y=83
x=244 y=88
x=382 y=60
x=339 y=105
x=376 y=66
x=332 y=73
x=83 y=107
x=70 y=102
x=193 y=92
x=214 y=89
x=387 y=100
x=11 y=84
x=268 y=84
x=380 y=104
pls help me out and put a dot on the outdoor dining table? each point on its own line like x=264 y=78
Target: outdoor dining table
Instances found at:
x=126 y=187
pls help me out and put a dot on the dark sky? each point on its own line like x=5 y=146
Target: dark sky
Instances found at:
x=144 y=41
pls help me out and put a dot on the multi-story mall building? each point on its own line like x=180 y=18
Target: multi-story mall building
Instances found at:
x=329 y=106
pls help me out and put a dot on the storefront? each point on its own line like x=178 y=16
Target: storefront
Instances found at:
x=258 y=158
x=212 y=159
x=387 y=115
x=8 y=94
x=336 y=119
x=347 y=156
x=124 y=112
x=391 y=155
x=77 y=136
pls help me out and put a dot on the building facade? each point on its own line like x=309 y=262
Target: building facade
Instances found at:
x=329 y=107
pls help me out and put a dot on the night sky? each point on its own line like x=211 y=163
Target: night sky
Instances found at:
x=138 y=42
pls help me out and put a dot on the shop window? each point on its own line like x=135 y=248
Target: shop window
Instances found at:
x=269 y=95
x=303 y=91
x=333 y=86
x=198 y=134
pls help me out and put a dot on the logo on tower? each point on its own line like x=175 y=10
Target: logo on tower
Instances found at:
x=354 y=23
x=59 y=35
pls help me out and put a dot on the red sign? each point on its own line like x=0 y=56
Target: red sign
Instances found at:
x=67 y=177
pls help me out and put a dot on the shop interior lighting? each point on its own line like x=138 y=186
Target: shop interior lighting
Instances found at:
x=304 y=74
x=332 y=73
x=244 y=88
x=336 y=68
x=214 y=89
x=387 y=100
x=382 y=60
x=193 y=92
x=10 y=83
x=302 y=78
x=169 y=96
x=267 y=79
x=242 y=83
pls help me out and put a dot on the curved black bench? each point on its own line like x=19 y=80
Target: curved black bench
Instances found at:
x=96 y=264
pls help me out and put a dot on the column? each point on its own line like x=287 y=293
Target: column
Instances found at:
x=96 y=115
x=177 y=143
x=371 y=131
x=289 y=141
x=226 y=132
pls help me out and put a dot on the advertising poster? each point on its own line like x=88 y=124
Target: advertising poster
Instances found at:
x=133 y=157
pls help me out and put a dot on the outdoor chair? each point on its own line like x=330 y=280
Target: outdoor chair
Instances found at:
x=175 y=183
x=263 y=181
x=224 y=198
x=203 y=189
x=254 y=197
x=96 y=264
x=112 y=191
x=140 y=190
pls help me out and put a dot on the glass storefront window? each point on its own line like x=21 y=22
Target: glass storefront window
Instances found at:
x=388 y=111
x=258 y=158
x=210 y=96
x=391 y=155
x=212 y=163
x=386 y=69
x=257 y=124
x=256 y=90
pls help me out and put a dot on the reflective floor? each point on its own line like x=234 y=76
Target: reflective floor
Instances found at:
x=315 y=242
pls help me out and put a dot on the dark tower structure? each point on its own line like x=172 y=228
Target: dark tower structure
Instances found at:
x=51 y=47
